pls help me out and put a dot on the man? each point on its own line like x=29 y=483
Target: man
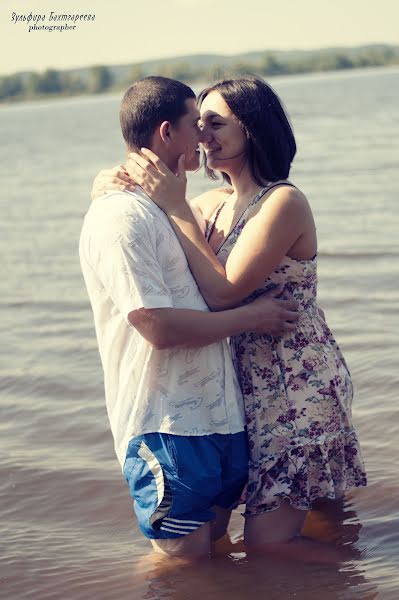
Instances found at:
x=172 y=396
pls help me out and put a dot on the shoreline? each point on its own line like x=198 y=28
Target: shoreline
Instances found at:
x=114 y=92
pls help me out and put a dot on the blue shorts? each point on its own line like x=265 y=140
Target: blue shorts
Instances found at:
x=175 y=480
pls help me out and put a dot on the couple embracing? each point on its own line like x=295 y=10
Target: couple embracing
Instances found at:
x=223 y=381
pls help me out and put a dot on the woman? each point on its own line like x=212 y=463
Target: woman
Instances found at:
x=259 y=232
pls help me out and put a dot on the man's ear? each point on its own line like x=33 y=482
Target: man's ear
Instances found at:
x=165 y=132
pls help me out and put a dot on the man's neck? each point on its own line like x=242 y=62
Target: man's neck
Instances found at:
x=170 y=162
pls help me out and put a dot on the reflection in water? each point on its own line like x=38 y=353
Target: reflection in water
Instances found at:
x=232 y=574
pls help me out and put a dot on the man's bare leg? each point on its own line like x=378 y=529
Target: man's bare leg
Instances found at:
x=171 y=554
x=192 y=546
x=221 y=542
x=220 y=523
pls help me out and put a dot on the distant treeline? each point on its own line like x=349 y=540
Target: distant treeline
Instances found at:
x=24 y=86
x=99 y=79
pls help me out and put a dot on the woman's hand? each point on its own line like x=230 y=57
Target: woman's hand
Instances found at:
x=166 y=189
x=108 y=180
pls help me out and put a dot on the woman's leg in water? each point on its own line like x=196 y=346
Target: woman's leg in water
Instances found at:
x=278 y=532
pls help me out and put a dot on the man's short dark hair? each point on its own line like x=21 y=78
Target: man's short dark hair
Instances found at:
x=149 y=102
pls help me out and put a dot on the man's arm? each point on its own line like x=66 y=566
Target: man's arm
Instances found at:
x=172 y=327
x=128 y=267
x=276 y=223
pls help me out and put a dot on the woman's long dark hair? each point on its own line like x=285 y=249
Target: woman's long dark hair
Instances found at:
x=271 y=142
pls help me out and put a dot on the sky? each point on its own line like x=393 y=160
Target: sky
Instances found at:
x=129 y=31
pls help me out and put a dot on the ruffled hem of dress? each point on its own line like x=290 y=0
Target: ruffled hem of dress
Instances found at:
x=305 y=472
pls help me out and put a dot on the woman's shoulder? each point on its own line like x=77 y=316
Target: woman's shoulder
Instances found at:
x=208 y=202
x=284 y=188
x=284 y=194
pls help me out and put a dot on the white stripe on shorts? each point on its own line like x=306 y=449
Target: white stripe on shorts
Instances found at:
x=188 y=521
x=189 y=527
x=154 y=467
x=181 y=531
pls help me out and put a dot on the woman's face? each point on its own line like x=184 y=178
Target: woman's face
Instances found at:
x=223 y=139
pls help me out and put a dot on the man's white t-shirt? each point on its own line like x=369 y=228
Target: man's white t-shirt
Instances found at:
x=130 y=259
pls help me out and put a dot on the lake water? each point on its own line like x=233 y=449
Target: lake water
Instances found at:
x=67 y=526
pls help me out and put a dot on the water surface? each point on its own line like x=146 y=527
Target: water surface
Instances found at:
x=67 y=526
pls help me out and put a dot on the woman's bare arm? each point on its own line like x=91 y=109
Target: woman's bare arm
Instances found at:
x=276 y=223
x=272 y=229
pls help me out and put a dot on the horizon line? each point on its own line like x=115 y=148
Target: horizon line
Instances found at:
x=184 y=56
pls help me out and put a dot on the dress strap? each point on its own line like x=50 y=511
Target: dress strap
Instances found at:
x=213 y=219
x=269 y=187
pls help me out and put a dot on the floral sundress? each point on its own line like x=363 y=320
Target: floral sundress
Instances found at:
x=297 y=395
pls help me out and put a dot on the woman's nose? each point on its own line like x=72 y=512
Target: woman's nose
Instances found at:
x=205 y=134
